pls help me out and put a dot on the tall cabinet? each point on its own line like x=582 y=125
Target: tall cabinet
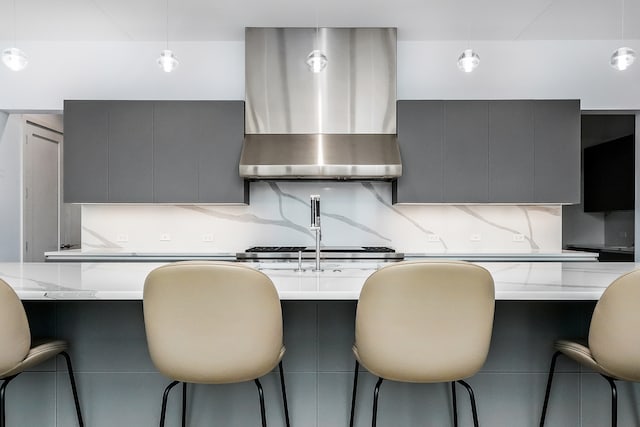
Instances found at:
x=153 y=152
x=511 y=151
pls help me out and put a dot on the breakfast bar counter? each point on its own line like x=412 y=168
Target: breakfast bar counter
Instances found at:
x=337 y=281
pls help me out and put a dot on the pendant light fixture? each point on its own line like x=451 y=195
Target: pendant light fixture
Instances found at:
x=167 y=59
x=468 y=61
x=316 y=60
x=14 y=58
x=623 y=57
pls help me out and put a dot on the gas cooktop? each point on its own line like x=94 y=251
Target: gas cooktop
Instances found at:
x=329 y=252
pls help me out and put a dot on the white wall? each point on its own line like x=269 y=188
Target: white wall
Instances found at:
x=520 y=70
x=215 y=70
x=58 y=71
x=10 y=186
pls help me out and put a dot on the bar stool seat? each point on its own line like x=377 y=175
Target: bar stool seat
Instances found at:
x=424 y=322
x=613 y=346
x=17 y=351
x=211 y=322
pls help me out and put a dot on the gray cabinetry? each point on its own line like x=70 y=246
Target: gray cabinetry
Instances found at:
x=154 y=151
x=489 y=151
x=557 y=151
x=130 y=140
x=465 y=151
x=175 y=167
x=222 y=132
x=511 y=151
x=85 y=151
x=420 y=135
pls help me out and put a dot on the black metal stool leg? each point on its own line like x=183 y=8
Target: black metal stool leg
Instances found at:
x=184 y=404
x=474 y=410
x=614 y=401
x=547 y=393
x=455 y=404
x=353 y=394
x=2 y=390
x=165 y=395
x=376 y=392
x=284 y=396
x=261 y=394
x=73 y=387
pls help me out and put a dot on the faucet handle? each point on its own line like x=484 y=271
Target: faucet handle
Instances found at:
x=315 y=211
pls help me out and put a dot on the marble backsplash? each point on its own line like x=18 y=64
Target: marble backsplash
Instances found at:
x=353 y=214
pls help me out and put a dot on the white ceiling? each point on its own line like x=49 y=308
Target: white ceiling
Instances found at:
x=204 y=20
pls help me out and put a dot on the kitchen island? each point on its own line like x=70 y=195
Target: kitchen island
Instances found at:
x=98 y=308
x=337 y=281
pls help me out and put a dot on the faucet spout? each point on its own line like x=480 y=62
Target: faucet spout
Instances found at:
x=315 y=226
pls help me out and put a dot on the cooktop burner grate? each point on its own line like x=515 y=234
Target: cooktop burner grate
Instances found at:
x=327 y=252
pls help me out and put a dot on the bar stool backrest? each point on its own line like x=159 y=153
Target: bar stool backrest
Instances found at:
x=614 y=334
x=212 y=322
x=15 y=336
x=425 y=321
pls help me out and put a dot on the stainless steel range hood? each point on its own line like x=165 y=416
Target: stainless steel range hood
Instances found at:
x=339 y=123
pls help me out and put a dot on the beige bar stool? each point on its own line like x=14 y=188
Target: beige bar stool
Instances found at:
x=424 y=322
x=213 y=323
x=18 y=353
x=613 y=347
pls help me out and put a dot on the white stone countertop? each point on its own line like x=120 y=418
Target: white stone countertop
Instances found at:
x=338 y=281
x=89 y=255
x=562 y=256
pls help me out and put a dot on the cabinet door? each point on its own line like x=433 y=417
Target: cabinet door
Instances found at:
x=176 y=141
x=466 y=162
x=130 y=151
x=420 y=136
x=220 y=135
x=86 y=152
x=557 y=151
x=510 y=151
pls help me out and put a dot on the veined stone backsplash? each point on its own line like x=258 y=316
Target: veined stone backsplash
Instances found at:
x=353 y=214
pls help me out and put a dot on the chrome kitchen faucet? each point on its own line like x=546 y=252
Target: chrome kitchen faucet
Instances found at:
x=315 y=226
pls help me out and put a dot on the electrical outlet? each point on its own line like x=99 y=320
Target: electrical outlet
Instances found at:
x=165 y=237
x=207 y=237
x=517 y=237
x=433 y=238
x=476 y=237
x=122 y=237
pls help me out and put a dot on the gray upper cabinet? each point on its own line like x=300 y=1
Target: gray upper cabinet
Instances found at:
x=130 y=140
x=420 y=135
x=557 y=151
x=222 y=131
x=85 y=152
x=154 y=151
x=465 y=151
x=176 y=153
x=511 y=151
x=489 y=151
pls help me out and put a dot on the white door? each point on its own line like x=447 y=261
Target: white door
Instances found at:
x=41 y=192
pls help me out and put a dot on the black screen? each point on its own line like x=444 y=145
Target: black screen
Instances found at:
x=609 y=176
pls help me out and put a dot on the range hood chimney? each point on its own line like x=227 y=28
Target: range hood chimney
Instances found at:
x=339 y=123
